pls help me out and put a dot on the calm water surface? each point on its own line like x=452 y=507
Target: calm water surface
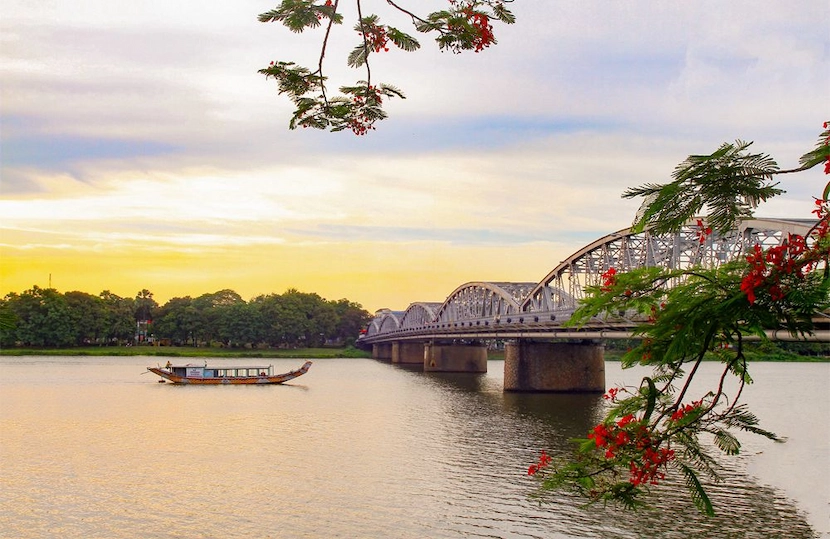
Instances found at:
x=91 y=447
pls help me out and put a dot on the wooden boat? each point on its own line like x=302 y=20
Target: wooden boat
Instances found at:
x=245 y=374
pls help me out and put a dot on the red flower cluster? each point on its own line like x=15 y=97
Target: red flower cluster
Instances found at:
x=360 y=123
x=612 y=437
x=484 y=29
x=612 y=393
x=479 y=21
x=544 y=460
x=649 y=470
x=609 y=279
x=703 y=232
x=767 y=268
x=681 y=411
x=629 y=434
x=377 y=38
x=792 y=258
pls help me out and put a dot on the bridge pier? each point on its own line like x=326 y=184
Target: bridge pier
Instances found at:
x=470 y=358
x=382 y=351
x=408 y=353
x=554 y=366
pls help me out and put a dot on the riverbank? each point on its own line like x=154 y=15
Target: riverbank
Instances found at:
x=190 y=351
x=313 y=353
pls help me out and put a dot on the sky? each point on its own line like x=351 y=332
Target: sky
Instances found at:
x=140 y=148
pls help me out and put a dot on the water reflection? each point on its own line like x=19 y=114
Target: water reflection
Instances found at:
x=512 y=424
x=360 y=449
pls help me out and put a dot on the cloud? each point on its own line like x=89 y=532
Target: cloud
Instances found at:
x=144 y=125
x=51 y=152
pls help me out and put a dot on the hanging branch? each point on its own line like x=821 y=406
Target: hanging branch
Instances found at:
x=649 y=432
x=465 y=25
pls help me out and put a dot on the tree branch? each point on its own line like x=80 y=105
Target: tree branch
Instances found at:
x=365 y=46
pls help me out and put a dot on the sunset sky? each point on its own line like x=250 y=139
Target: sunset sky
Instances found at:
x=141 y=149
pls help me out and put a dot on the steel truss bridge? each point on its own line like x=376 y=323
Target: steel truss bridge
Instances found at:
x=501 y=310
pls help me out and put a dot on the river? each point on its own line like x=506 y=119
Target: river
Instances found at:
x=92 y=447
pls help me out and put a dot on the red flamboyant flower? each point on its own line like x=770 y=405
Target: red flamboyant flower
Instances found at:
x=703 y=232
x=612 y=394
x=628 y=436
x=625 y=420
x=793 y=257
x=544 y=461
x=609 y=279
x=377 y=38
x=482 y=29
x=681 y=411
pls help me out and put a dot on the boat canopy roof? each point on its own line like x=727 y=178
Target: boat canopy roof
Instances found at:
x=221 y=367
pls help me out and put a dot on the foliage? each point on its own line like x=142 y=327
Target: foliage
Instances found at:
x=660 y=427
x=465 y=25
x=144 y=305
x=42 y=317
x=730 y=182
x=46 y=318
x=87 y=316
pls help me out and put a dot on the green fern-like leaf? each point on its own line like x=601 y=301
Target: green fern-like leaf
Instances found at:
x=296 y=15
x=818 y=155
x=358 y=56
x=391 y=91
x=726 y=442
x=697 y=492
x=402 y=40
x=501 y=13
x=741 y=418
x=728 y=183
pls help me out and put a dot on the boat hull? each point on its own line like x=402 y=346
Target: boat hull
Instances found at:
x=231 y=380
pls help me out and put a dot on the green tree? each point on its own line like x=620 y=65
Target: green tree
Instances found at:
x=240 y=324
x=119 y=318
x=43 y=318
x=8 y=323
x=351 y=317
x=88 y=317
x=661 y=426
x=269 y=309
x=296 y=318
x=179 y=321
x=209 y=307
x=466 y=25
x=145 y=305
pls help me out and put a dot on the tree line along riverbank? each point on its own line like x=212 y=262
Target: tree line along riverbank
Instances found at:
x=44 y=318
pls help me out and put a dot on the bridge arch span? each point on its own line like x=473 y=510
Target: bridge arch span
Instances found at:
x=625 y=250
x=387 y=322
x=483 y=300
x=420 y=314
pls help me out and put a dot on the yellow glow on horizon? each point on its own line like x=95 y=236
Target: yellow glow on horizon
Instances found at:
x=376 y=275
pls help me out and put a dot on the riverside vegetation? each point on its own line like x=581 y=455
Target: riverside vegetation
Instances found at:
x=45 y=319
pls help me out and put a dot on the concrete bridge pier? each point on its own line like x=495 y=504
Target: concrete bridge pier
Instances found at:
x=470 y=358
x=382 y=351
x=408 y=353
x=554 y=367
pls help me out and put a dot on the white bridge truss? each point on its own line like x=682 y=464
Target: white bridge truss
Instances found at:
x=504 y=310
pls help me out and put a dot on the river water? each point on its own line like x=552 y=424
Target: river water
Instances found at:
x=90 y=447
